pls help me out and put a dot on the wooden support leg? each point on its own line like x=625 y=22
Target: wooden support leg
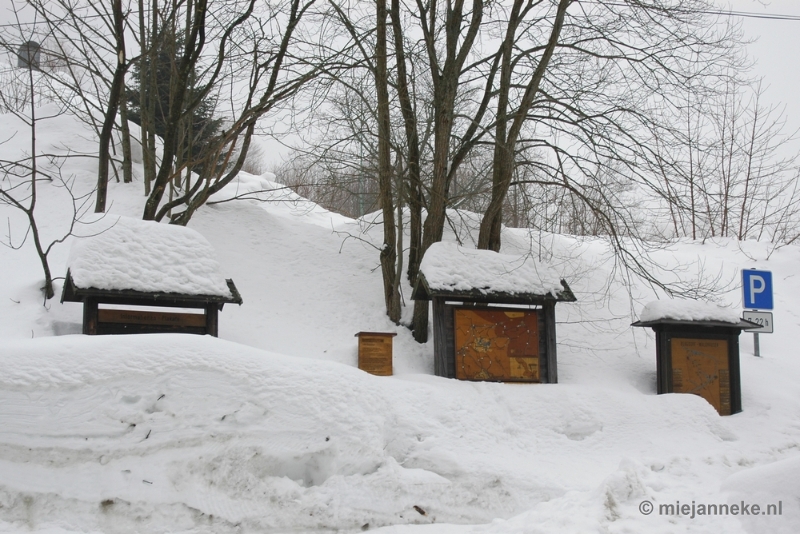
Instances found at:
x=212 y=320
x=90 y=317
x=549 y=310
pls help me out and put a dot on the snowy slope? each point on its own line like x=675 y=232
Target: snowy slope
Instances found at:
x=272 y=428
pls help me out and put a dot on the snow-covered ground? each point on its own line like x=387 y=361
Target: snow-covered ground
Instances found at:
x=272 y=428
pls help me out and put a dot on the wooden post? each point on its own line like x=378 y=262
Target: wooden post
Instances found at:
x=549 y=309
x=90 y=317
x=212 y=320
x=439 y=345
x=734 y=373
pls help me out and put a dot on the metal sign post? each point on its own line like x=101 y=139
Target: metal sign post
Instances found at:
x=757 y=295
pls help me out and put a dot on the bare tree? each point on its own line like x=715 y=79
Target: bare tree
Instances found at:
x=278 y=56
x=19 y=188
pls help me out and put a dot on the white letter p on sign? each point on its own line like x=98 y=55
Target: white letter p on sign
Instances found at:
x=757 y=285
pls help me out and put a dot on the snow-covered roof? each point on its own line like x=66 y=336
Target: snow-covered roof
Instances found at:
x=687 y=310
x=449 y=268
x=147 y=256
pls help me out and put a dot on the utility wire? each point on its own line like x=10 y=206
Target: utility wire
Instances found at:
x=721 y=12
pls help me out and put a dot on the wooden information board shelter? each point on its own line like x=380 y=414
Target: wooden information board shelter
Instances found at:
x=700 y=357
x=98 y=321
x=125 y=270
x=482 y=334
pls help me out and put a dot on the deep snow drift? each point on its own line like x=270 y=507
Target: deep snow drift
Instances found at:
x=271 y=428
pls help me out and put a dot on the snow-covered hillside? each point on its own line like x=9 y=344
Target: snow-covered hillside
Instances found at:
x=272 y=428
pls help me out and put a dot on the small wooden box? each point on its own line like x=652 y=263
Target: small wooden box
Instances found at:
x=375 y=352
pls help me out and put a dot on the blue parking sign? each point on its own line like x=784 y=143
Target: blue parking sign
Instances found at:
x=757 y=289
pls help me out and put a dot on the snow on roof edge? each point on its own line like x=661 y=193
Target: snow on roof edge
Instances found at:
x=447 y=266
x=688 y=310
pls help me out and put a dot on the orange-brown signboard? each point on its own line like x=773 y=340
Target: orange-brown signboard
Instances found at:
x=700 y=366
x=497 y=344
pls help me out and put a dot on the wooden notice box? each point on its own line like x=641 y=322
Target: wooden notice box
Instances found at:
x=375 y=352
x=99 y=320
x=497 y=344
x=701 y=358
x=492 y=320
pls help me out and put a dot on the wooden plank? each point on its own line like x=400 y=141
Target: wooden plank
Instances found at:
x=375 y=352
x=151 y=318
x=497 y=344
x=700 y=366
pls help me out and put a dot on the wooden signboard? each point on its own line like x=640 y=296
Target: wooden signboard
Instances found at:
x=375 y=352
x=497 y=344
x=700 y=366
x=151 y=317
x=133 y=321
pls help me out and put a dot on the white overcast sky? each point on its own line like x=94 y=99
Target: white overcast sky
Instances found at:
x=775 y=50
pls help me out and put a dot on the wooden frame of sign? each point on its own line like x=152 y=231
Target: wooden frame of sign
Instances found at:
x=493 y=336
x=700 y=357
x=102 y=321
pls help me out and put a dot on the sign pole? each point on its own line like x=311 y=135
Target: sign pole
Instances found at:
x=756 y=347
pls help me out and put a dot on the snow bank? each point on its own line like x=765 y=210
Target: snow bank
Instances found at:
x=147 y=256
x=174 y=433
x=447 y=266
x=688 y=310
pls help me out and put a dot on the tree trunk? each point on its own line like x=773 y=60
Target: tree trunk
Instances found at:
x=193 y=46
x=117 y=85
x=505 y=143
x=388 y=254
x=414 y=187
x=445 y=90
x=127 y=164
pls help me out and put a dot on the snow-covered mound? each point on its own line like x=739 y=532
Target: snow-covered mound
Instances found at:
x=283 y=201
x=147 y=256
x=167 y=433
